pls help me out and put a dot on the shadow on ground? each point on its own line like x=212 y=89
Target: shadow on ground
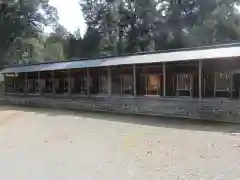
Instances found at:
x=176 y=123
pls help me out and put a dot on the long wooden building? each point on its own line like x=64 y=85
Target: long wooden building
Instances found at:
x=202 y=83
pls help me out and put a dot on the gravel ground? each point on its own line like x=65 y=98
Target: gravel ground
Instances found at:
x=43 y=144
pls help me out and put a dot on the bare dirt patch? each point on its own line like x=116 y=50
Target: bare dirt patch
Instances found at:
x=38 y=143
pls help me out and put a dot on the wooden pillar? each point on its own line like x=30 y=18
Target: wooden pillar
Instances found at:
x=14 y=83
x=214 y=77
x=231 y=88
x=177 y=91
x=121 y=85
x=26 y=83
x=134 y=81
x=164 y=79
x=146 y=88
x=4 y=85
x=191 y=85
x=109 y=82
x=69 y=83
x=39 y=83
x=200 y=79
x=53 y=84
x=88 y=81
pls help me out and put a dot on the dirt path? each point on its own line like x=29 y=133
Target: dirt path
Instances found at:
x=43 y=144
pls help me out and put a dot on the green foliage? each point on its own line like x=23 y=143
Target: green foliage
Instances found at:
x=38 y=49
x=115 y=27
x=128 y=26
x=54 y=52
x=20 y=19
x=57 y=44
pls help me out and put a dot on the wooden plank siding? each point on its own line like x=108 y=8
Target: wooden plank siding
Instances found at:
x=209 y=109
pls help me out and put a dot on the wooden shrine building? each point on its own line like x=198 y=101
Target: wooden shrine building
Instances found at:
x=202 y=83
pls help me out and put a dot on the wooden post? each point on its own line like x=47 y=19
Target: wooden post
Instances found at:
x=53 y=84
x=146 y=84
x=134 y=81
x=177 y=91
x=39 y=83
x=214 y=76
x=231 y=88
x=88 y=82
x=4 y=85
x=191 y=85
x=164 y=79
x=200 y=79
x=121 y=85
x=69 y=83
x=26 y=83
x=14 y=83
x=109 y=82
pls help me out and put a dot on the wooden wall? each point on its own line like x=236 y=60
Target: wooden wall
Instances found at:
x=207 y=109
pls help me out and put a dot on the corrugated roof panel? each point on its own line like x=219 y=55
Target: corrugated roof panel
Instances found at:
x=134 y=59
x=175 y=56
x=93 y=63
x=8 y=70
x=75 y=65
x=38 y=67
x=85 y=64
x=56 y=66
x=16 y=69
x=19 y=69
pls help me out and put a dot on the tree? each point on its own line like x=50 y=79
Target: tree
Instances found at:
x=219 y=26
x=38 y=48
x=85 y=47
x=103 y=16
x=22 y=19
x=54 y=51
x=57 y=43
x=91 y=43
x=27 y=51
x=127 y=26
x=203 y=22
